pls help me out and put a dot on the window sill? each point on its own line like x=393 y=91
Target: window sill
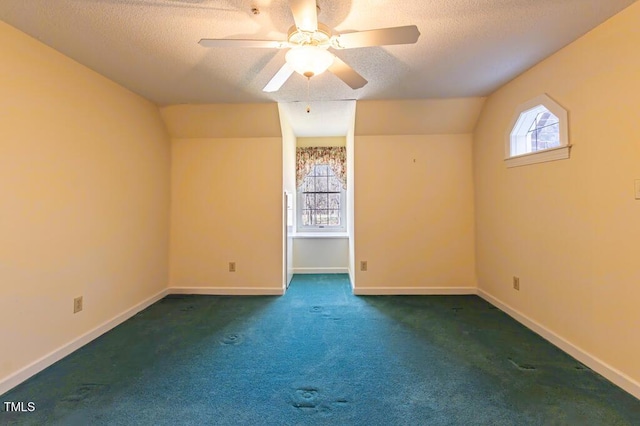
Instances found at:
x=553 y=154
x=320 y=235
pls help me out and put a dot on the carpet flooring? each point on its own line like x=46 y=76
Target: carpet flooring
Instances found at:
x=320 y=355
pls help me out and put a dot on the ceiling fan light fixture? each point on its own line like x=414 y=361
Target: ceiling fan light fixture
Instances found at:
x=309 y=60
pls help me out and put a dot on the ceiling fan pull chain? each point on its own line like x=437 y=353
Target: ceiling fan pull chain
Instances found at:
x=308 y=97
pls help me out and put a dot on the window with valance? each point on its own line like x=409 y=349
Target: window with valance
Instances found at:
x=333 y=156
x=321 y=178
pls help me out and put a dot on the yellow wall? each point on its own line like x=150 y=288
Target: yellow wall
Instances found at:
x=84 y=200
x=570 y=229
x=413 y=196
x=227 y=199
x=414 y=213
x=227 y=206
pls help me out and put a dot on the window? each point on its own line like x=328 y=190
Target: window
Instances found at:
x=538 y=133
x=321 y=189
x=321 y=199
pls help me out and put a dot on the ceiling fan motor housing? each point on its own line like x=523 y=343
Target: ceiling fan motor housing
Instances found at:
x=320 y=37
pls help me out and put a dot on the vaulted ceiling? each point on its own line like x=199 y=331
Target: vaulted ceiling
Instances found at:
x=466 y=47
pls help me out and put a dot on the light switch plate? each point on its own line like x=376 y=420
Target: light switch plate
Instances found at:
x=637 y=189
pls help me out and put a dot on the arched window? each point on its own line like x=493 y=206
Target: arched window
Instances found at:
x=538 y=133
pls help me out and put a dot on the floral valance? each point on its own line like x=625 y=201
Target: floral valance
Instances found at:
x=334 y=156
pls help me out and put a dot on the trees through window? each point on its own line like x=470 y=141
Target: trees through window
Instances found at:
x=321 y=198
x=321 y=182
x=538 y=133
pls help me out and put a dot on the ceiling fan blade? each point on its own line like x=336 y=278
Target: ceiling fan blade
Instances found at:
x=381 y=37
x=278 y=80
x=347 y=74
x=305 y=14
x=270 y=44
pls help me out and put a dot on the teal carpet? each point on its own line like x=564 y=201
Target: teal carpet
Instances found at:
x=320 y=355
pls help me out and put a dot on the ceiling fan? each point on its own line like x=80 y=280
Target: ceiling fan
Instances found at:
x=309 y=42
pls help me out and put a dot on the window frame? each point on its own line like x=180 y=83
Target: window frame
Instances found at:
x=520 y=123
x=300 y=228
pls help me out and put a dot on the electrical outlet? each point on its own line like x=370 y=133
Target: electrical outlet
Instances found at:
x=77 y=304
x=363 y=265
x=232 y=266
x=516 y=283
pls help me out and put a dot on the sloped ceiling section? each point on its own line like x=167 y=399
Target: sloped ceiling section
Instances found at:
x=323 y=119
x=418 y=117
x=222 y=120
x=467 y=48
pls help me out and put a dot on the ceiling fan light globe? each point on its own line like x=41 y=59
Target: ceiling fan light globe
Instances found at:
x=309 y=60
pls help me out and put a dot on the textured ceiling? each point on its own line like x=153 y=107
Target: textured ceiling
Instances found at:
x=466 y=48
x=324 y=119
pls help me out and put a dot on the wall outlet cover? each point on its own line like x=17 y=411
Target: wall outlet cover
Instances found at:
x=77 y=304
x=516 y=283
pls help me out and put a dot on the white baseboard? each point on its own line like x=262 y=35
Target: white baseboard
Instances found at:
x=610 y=373
x=35 y=367
x=321 y=270
x=413 y=291
x=228 y=291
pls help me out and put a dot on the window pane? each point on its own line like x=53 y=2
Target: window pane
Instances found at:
x=309 y=201
x=549 y=136
x=306 y=217
x=544 y=132
x=322 y=170
x=545 y=137
x=322 y=217
x=546 y=118
x=308 y=184
x=334 y=217
x=321 y=184
x=334 y=184
x=322 y=201
x=334 y=201
x=321 y=198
